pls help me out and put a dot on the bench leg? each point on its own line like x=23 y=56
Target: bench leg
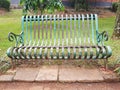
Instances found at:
x=36 y=63
x=106 y=64
x=13 y=63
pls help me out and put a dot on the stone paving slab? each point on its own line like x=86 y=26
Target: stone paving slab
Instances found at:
x=47 y=73
x=76 y=74
x=6 y=78
x=26 y=74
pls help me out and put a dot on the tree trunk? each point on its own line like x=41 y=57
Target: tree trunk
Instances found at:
x=116 y=33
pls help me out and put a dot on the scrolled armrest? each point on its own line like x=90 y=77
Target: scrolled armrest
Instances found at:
x=17 y=38
x=101 y=37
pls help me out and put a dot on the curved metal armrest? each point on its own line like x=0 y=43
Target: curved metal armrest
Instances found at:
x=17 y=38
x=101 y=37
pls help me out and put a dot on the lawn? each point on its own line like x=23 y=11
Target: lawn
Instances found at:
x=11 y=22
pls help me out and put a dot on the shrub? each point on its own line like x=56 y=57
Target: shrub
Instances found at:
x=4 y=64
x=34 y=6
x=114 y=6
x=117 y=67
x=5 y=4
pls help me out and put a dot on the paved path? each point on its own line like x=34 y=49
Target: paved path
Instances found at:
x=58 y=74
x=59 y=86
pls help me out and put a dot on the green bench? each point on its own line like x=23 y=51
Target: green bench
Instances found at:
x=59 y=37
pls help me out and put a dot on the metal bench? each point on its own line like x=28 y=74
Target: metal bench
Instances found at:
x=59 y=37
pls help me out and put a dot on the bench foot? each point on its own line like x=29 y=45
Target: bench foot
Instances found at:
x=106 y=64
x=13 y=64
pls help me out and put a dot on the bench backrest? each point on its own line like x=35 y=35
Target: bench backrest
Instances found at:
x=60 y=29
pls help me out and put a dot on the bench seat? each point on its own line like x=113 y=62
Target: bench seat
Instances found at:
x=59 y=52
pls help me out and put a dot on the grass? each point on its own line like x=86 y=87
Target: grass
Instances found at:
x=11 y=22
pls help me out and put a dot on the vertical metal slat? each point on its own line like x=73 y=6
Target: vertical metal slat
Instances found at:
x=42 y=18
x=26 y=29
x=34 y=27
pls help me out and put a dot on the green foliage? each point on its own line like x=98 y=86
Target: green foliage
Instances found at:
x=114 y=6
x=4 y=64
x=34 y=6
x=117 y=70
x=118 y=9
x=54 y=4
x=116 y=34
x=117 y=63
x=5 y=4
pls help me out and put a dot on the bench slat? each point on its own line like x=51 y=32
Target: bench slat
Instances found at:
x=34 y=25
x=26 y=29
x=88 y=29
x=42 y=28
x=71 y=28
x=38 y=28
x=46 y=28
